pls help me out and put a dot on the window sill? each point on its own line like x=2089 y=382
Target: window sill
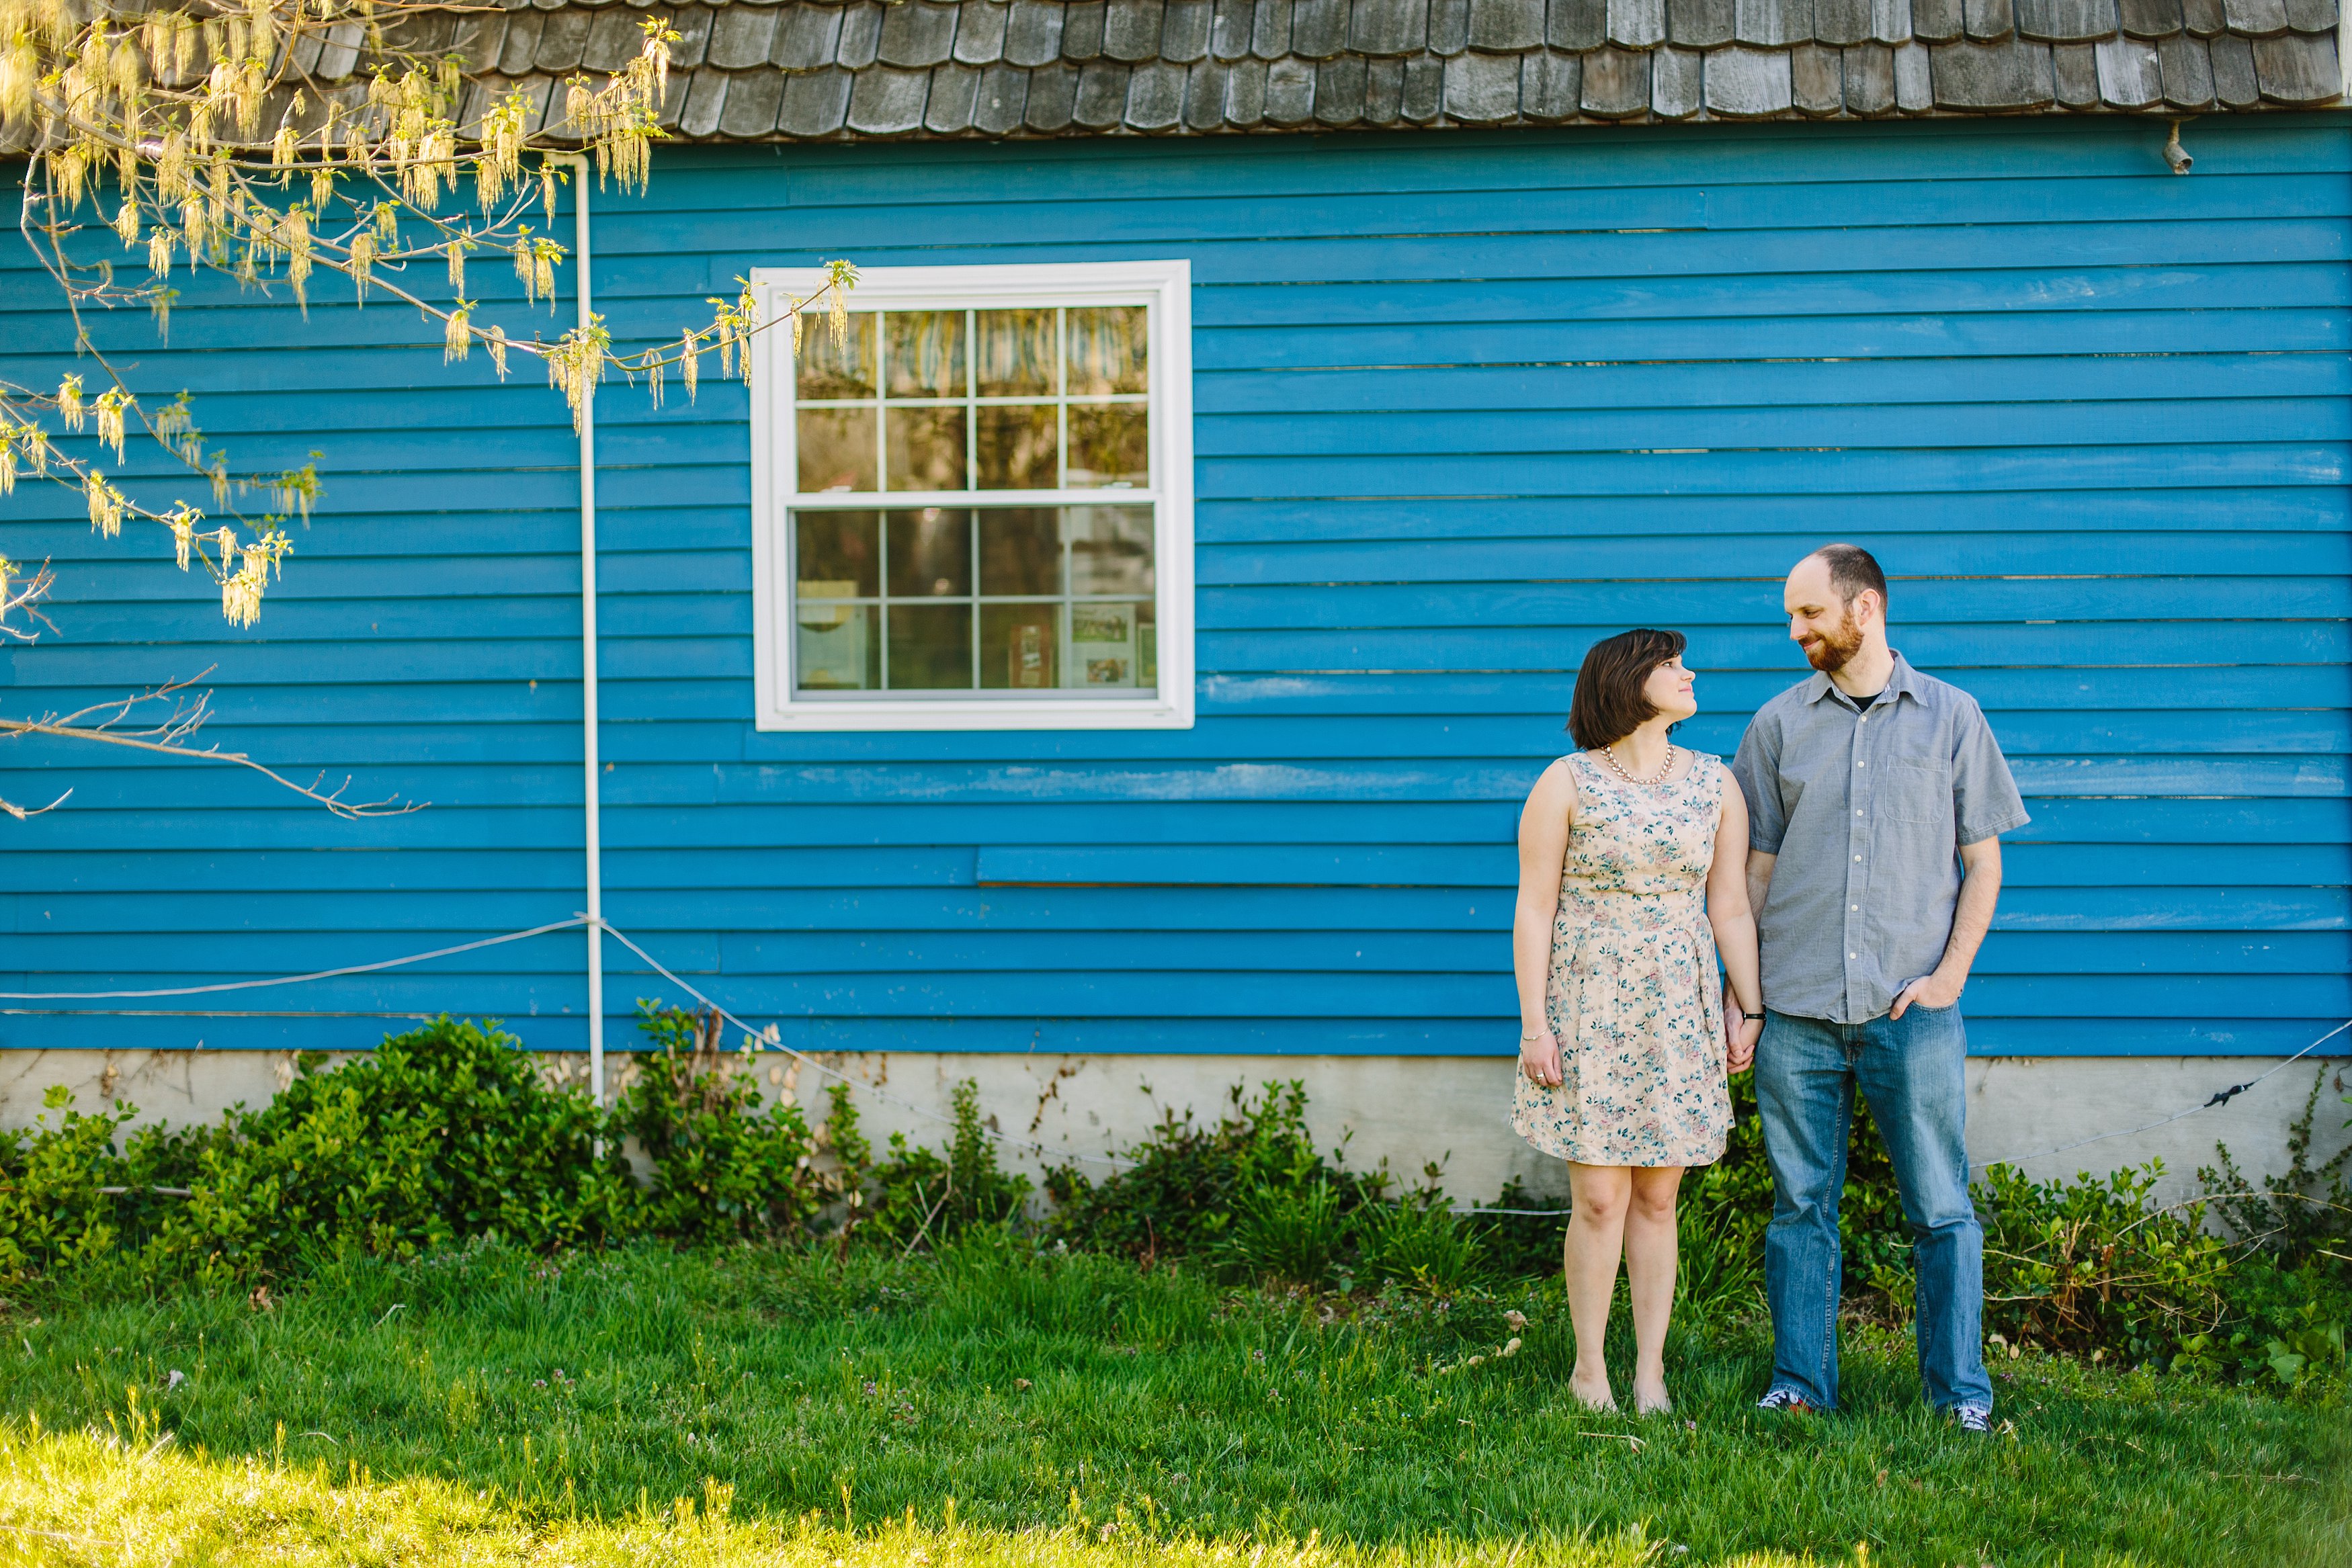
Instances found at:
x=1148 y=714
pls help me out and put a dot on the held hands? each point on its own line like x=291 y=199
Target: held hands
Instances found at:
x=1741 y=1042
x=1540 y=1060
x=1930 y=991
x=1739 y=1038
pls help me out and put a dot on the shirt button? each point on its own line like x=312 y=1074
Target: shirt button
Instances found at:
x=1853 y=954
x=1856 y=907
x=1857 y=857
x=1859 y=764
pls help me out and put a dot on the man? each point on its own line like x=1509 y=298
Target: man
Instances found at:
x=1875 y=798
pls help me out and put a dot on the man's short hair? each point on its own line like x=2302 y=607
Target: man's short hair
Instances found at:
x=1852 y=569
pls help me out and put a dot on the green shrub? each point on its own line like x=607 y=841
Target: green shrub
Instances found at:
x=1287 y=1235
x=2093 y=1265
x=2303 y=1214
x=1421 y=1243
x=1729 y=1203
x=447 y=1131
x=70 y=1199
x=1185 y=1183
x=451 y=1134
x=721 y=1167
x=918 y=1196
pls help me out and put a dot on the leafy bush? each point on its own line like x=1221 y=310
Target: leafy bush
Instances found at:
x=1290 y=1234
x=452 y=1133
x=1186 y=1182
x=1728 y=1204
x=721 y=1165
x=2291 y=1218
x=2290 y=1292
x=445 y=1134
x=447 y=1131
x=2093 y=1265
x=920 y=1197
x=69 y=1198
x=1421 y=1243
x=1523 y=1245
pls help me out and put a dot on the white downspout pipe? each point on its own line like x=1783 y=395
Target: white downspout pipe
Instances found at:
x=592 y=826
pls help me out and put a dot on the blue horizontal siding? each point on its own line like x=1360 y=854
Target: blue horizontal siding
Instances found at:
x=1464 y=403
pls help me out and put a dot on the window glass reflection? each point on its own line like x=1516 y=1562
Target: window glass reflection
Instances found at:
x=836 y=449
x=1110 y=548
x=931 y=647
x=837 y=368
x=835 y=648
x=1021 y=551
x=1017 y=353
x=925 y=353
x=1107 y=350
x=930 y=553
x=1018 y=647
x=839 y=555
x=925 y=448
x=1110 y=446
x=938 y=599
x=1017 y=447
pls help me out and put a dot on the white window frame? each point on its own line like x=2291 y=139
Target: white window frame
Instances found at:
x=1166 y=288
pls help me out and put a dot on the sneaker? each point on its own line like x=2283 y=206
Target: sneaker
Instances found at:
x=1973 y=1418
x=1787 y=1399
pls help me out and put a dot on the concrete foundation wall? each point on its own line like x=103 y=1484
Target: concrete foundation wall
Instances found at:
x=1409 y=1110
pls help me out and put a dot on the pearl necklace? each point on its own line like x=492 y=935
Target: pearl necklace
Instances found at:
x=1608 y=755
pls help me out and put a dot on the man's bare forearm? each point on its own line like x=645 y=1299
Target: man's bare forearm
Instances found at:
x=1759 y=880
x=1972 y=917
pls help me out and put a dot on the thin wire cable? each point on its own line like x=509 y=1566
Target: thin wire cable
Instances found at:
x=770 y=1041
x=291 y=979
x=2220 y=1097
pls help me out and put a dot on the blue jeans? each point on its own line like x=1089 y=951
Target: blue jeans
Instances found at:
x=1911 y=1072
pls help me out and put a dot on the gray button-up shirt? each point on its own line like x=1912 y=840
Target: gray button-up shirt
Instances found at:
x=1866 y=812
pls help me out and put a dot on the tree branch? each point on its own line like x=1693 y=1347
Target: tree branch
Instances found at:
x=168 y=737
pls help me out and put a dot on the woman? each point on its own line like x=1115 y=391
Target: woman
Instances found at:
x=1629 y=850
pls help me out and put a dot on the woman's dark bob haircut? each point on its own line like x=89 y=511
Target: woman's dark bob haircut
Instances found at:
x=1608 y=704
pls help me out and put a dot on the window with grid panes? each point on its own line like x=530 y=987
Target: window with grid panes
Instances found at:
x=975 y=510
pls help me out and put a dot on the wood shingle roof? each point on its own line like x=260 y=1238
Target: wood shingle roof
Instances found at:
x=821 y=69
x=769 y=70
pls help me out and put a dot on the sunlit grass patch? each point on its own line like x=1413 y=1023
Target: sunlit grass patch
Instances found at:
x=130 y=1498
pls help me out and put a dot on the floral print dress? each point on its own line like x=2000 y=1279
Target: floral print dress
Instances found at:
x=1635 y=998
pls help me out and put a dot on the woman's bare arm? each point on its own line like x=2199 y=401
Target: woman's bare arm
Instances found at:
x=1543 y=849
x=1734 y=921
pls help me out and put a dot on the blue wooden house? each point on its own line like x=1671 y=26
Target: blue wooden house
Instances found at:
x=1120 y=661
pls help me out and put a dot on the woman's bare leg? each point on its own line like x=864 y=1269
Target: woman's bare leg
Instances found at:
x=1596 y=1237
x=1650 y=1270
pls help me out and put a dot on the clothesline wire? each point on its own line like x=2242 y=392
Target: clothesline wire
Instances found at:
x=576 y=920
x=768 y=1038
x=2220 y=1097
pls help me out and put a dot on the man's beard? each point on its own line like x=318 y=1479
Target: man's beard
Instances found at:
x=1830 y=651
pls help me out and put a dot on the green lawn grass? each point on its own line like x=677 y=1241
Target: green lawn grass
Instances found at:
x=490 y=1407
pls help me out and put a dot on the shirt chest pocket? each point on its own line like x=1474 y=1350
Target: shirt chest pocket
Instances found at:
x=1917 y=790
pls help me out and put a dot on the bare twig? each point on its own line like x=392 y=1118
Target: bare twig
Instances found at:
x=168 y=738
